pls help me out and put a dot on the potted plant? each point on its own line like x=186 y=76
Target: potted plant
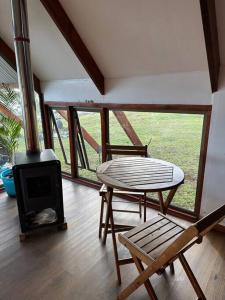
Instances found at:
x=10 y=127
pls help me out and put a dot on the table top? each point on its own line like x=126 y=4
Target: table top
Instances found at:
x=140 y=174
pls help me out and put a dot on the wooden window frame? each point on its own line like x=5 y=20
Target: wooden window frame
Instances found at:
x=104 y=109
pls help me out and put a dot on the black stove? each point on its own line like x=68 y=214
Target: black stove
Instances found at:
x=38 y=184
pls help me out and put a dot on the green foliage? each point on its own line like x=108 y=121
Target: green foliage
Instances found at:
x=9 y=128
x=9 y=97
x=9 y=134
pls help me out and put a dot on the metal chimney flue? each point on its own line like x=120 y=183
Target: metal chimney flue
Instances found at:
x=25 y=74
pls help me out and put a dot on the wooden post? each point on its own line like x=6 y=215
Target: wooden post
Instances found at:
x=209 y=22
x=71 y=127
x=105 y=131
x=48 y=128
x=202 y=161
x=43 y=121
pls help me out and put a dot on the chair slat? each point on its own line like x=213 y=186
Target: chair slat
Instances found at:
x=162 y=239
x=149 y=230
x=128 y=147
x=162 y=231
x=154 y=254
x=138 y=229
x=131 y=150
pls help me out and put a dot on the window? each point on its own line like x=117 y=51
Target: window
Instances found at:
x=88 y=143
x=174 y=137
x=61 y=138
x=178 y=134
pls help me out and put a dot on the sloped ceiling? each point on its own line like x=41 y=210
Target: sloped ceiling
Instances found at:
x=51 y=56
x=125 y=37
x=137 y=38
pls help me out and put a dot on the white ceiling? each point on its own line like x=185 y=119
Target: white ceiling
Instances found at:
x=220 y=14
x=126 y=37
x=137 y=38
x=51 y=56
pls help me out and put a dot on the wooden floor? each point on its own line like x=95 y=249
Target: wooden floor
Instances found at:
x=74 y=265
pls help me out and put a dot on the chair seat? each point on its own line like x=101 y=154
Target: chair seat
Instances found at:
x=103 y=190
x=150 y=239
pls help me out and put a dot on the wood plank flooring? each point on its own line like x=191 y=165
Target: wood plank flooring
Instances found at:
x=74 y=265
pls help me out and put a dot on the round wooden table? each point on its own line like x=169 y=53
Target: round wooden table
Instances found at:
x=137 y=174
x=140 y=174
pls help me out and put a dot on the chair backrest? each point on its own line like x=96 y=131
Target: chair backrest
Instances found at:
x=199 y=229
x=208 y=222
x=196 y=230
x=126 y=150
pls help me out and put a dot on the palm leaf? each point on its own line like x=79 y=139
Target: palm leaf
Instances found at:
x=9 y=134
x=8 y=97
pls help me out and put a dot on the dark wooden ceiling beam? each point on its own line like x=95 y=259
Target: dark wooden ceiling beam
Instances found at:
x=9 y=56
x=208 y=11
x=62 y=21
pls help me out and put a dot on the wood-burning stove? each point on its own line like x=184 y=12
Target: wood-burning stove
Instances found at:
x=37 y=175
x=38 y=187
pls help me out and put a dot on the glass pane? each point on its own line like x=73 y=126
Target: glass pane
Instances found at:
x=90 y=154
x=22 y=146
x=39 y=121
x=61 y=138
x=172 y=137
x=117 y=134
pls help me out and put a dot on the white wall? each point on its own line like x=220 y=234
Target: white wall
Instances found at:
x=214 y=183
x=177 y=88
x=182 y=88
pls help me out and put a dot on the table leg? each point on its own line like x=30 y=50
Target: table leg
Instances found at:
x=169 y=199
x=164 y=205
x=110 y=227
x=161 y=202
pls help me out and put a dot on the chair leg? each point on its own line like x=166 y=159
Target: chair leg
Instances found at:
x=136 y=283
x=107 y=216
x=140 y=208
x=172 y=270
x=145 y=204
x=192 y=278
x=101 y=217
x=147 y=283
x=114 y=236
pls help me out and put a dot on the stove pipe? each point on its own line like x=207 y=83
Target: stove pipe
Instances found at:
x=24 y=72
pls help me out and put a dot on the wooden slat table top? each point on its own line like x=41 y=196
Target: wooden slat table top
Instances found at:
x=140 y=174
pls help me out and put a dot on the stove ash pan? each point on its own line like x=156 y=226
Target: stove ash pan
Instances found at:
x=38 y=184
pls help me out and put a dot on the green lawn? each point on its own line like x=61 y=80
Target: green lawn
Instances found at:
x=172 y=137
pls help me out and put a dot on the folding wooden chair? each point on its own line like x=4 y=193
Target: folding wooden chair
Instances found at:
x=160 y=242
x=125 y=151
